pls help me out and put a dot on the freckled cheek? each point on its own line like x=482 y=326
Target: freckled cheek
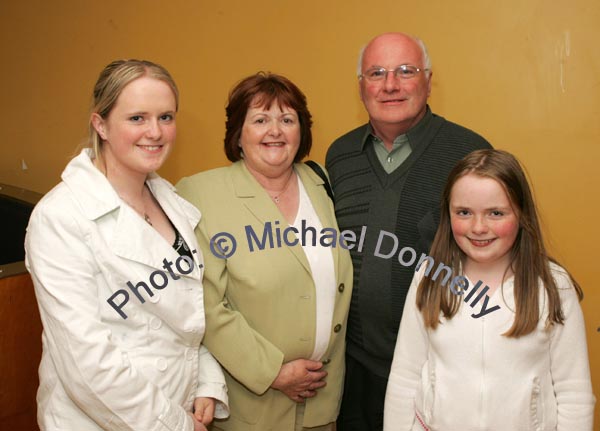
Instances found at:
x=459 y=227
x=507 y=228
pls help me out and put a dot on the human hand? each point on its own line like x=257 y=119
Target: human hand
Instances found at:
x=300 y=379
x=198 y=426
x=204 y=409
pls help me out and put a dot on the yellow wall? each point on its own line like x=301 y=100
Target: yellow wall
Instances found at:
x=525 y=74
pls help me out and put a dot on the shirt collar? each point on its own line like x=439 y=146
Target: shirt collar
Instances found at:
x=415 y=135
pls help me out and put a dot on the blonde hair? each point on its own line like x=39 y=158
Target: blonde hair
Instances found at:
x=111 y=82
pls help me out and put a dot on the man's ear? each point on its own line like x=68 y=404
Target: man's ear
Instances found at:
x=429 y=83
x=360 y=90
x=99 y=125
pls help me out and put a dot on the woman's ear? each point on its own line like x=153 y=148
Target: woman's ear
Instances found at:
x=99 y=125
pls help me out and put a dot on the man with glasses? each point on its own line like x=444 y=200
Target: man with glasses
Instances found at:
x=388 y=175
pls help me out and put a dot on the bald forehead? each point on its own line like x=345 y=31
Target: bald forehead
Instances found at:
x=391 y=50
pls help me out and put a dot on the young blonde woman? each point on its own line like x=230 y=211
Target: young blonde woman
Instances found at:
x=118 y=274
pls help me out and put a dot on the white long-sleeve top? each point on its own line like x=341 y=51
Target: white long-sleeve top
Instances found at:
x=99 y=370
x=466 y=376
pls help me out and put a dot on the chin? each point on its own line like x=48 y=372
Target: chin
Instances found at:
x=148 y=168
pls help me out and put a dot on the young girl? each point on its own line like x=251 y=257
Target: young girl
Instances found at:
x=522 y=367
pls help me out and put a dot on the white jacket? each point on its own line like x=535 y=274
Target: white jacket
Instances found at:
x=466 y=376
x=98 y=369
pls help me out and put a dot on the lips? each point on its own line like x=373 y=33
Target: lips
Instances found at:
x=150 y=148
x=481 y=242
x=393 y=101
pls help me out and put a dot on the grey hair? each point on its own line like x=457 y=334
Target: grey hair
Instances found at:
x=424 y=51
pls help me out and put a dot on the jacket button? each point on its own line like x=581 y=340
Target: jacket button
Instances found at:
x=155 y=298
x=190 y=354
x=125 y=359
x=161 y=364
x=155 y=323
x=337 y=328
x=326 y=361
x=341 y=287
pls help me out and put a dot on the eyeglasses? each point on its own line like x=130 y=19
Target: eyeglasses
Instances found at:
x=404 y=71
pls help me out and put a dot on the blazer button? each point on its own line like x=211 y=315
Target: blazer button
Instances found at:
x=337 y=328
x=341 y=287
x=161 y=364
x=326 y=361
x=155 y=298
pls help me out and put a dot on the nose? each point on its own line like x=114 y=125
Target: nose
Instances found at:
x=391 y=83
x=275 y=128
x=153 y=131
x=479 y=225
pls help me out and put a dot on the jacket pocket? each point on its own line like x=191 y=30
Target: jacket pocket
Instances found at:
x=428 y=393
x=536 y=407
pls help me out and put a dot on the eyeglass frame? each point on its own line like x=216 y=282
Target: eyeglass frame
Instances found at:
x=402 y=67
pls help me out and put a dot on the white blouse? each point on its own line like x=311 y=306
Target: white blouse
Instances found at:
x=320 y=259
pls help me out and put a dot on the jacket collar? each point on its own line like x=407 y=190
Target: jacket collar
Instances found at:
x=90 y=188
x=258 y=202
x=97 y=199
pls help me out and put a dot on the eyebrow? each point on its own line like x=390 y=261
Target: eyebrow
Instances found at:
x=168 y=111
x=485 y=209
x=253 y=114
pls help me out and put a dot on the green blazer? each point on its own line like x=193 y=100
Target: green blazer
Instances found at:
x=260 y=305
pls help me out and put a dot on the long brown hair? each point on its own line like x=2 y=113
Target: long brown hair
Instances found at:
x=530 y=260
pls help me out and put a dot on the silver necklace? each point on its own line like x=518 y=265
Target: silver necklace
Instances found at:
x=277 y=198
x=143 y=213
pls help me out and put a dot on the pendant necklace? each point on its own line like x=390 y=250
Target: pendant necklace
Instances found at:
x=277 y=198
x=144 y=214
